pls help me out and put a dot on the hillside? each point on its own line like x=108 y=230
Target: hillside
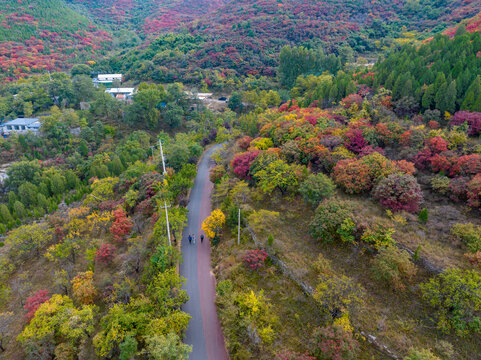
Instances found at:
x=244 y=37
x=40 y=35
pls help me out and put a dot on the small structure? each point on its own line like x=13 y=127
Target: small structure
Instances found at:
x=107 y=79
x=121 y=93
x=198 y=96
x=20 y=125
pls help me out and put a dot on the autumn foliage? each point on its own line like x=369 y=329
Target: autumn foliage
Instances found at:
x=121 y=225
x=34 y=302
x=254 y=259
x=83 y=287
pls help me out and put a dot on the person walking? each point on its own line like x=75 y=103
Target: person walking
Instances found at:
x=194 y=239
x=190 y=239
x=202 y=238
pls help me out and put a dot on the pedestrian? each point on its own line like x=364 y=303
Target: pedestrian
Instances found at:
x=190 y=239
x=194 y=239
x=202 y=238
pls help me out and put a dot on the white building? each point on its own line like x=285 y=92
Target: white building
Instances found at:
x=122 y=93
x=198 y=96
x=20 y=125
x=106 y=79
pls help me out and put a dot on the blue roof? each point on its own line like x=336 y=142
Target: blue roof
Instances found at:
x=21 y=121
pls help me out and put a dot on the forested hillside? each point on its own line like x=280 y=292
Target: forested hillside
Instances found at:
x=46 y=35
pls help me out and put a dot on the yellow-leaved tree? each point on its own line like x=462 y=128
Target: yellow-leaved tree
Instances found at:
x=213 y=224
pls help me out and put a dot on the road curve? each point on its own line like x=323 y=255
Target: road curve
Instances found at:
x=204 y=332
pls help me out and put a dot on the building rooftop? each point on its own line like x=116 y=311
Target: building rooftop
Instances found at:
x=120 y=90
x=22 y=121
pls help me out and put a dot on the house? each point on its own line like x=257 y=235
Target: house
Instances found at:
x=122 y=93
x=107 y=79
x=20 y=125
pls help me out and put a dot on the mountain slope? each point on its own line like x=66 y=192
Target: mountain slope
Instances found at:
x=39 y=35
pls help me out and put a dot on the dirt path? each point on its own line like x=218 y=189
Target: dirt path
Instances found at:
x=204 y=332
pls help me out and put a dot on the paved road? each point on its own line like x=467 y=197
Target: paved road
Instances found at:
x=204 y=332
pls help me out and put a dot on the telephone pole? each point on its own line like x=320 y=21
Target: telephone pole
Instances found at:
x=165 y=202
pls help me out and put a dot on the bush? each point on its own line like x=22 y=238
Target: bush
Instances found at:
x=333 y=343
x=34 y=302
x=316 y=188
x=105 y=253
x=399 y=192
x=378 y=236
x=423 y=354
x=394 y=266
x=242 y=162
x=352 y=176
x=254 y=259
x=329 y=216
x=440 y=184
x=423 y=215
x=216 y=173
x=474 y=192
x=469 y=234
x=455 y=296
x=121 y=225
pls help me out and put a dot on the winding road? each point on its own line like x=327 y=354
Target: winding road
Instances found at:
x=204 y=332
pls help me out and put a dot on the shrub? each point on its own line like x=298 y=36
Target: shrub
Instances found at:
x=105 y=253
x=474 y=192
x=328 y=218
x=254 y=259
x=378 y=236
x=340 y=295
x=394 y=266
x=216 y=173
x=455 y=296
x=469 y=234
x=423 y=215
x=355 y=141
x=34 y=302
x=458 y=188
x=83 y=287
x=280 y=175
x=349 y=100
x=440 y=184
x=121 y=225
x=316 y=188
x=437 y=144
x=467 y=165
x=472 y=118
x=244 y=142
x=352 y=176
x=423 y=354
x=242 y=162
x=333 y=343
x=399 y=192
x=262 y=143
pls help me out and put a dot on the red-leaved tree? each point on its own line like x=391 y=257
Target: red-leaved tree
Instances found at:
x=121 y=225
x=34 y=302
x=105 y=253
x=242 y=163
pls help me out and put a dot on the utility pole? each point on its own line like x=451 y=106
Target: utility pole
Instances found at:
x=238 y=230
x=165 y=202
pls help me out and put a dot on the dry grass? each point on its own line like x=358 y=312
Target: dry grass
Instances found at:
x=399 y=319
